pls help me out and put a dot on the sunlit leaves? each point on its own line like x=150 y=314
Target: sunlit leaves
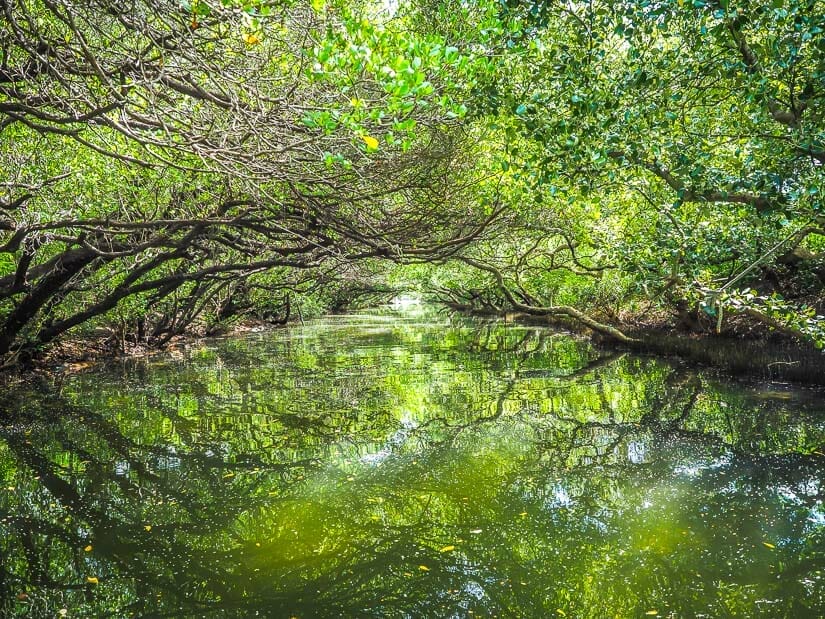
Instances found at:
x=801 y=320
x=416 y=74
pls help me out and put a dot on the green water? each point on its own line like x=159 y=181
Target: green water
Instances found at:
x=403 y=466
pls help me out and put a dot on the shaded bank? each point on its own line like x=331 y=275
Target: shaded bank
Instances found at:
x=772 y=358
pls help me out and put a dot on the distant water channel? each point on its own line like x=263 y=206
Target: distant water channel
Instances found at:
x=403 y=465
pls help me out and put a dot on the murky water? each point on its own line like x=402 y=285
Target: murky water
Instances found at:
x=402 y=466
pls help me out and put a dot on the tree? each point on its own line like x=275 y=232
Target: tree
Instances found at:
x=685 y=141
x=166 y=155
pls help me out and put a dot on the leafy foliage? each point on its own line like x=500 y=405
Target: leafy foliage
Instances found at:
x=170 y=168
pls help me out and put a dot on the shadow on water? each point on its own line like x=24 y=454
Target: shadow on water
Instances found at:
x=755 y=358
x=391 y=466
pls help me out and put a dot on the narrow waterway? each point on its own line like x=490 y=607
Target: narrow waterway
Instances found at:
x=401 y=465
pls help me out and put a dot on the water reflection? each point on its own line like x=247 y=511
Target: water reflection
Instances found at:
x=394 y=467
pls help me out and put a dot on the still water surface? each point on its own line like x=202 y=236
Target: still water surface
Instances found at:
x=400 y=465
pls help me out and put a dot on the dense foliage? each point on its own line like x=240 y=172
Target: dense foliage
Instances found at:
x=665 y=152
x=169 y=164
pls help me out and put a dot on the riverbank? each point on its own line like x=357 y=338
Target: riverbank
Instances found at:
x=755 y=353
x=772 y=360
x=758 y=355
x=78 y=353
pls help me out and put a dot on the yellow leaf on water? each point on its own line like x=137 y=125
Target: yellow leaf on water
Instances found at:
x=88 y=548
x=229 y=475
x=251 y=39
x=768 y=545
x=423 y=568
x=370 y=141
x=92 y=580
x=148 y=527
x=447 y=549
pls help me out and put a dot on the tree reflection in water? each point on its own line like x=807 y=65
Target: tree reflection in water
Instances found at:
x=386 y=467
